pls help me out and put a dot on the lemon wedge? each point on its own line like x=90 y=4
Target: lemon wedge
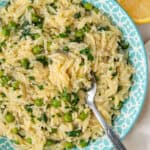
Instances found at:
x=139 y=10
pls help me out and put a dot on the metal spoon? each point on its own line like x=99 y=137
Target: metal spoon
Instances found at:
x=108 y=130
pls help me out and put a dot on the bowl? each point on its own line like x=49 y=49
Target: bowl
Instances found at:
x=138 y=58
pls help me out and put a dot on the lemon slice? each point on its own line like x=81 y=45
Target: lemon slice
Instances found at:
x=139 y=10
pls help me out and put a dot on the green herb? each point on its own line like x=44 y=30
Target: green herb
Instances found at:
x=31 y=78
x=2 y=60
x=68 y=117
x=1 y=73
x=35 y=36
x=103 y=28
x=28 y=108
x=2 y=94
x=68 y=145
x=9 y=117
x=59 y=114
x=53 y=130
x=88 y=6
x=114 y=74
x=86 y=28
x=68 y=29
x=79 y=35
x=66 y=49
x=77 y=15
x=43 y=118
x=74 y=133
x=65 y=95
x=2 y=44
x=43 y=60
x=29 y=140
x=83 y=115
x=19 y=96
x=87 y=52
x=50 y=142
x=83 y=143
x=25 y=63
x=5 y=31
x=63 y=35
x=110 y=68
x=74 y=109
x=37 y=20
x=56 y=103
x=12 y=26
x=119 y=88
x=119 y=106
x=5 y=80
x=113 y=98
x=15 y=85
x=123 y=44
x=38 y=102
x=49 y=43
x=75 y=99
x=41 y=87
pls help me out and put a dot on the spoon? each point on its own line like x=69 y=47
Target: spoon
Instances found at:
x=108 y=130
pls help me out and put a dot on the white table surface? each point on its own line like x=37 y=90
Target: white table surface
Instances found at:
x=139 y=137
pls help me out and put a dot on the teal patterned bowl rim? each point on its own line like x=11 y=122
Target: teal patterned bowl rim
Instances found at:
x=138 y=58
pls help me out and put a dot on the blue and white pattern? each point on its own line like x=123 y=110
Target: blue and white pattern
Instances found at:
x=138 y=58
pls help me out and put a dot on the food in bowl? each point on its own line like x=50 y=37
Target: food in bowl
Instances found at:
x=48 y=51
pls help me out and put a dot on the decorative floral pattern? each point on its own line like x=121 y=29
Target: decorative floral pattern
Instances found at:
x=130 y=112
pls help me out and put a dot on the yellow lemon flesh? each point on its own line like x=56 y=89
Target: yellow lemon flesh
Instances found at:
x=139 y=10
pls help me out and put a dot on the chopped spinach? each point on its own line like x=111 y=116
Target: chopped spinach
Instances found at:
x=74 y=133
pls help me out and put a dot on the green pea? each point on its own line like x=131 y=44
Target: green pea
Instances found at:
x=79 y=33
x=15 y=130
x=25 y=63
x=83 y=143
x=83 y=115
x=9 y=117
x=88 y=6
x=15 y=85
x=56 y=103
x=29 y=140
x=68 y=145
x=37 y=50
x=38 y=102
x=5 y=31
x=68 y=117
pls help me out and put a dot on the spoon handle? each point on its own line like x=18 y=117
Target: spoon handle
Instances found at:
x=108 y=130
